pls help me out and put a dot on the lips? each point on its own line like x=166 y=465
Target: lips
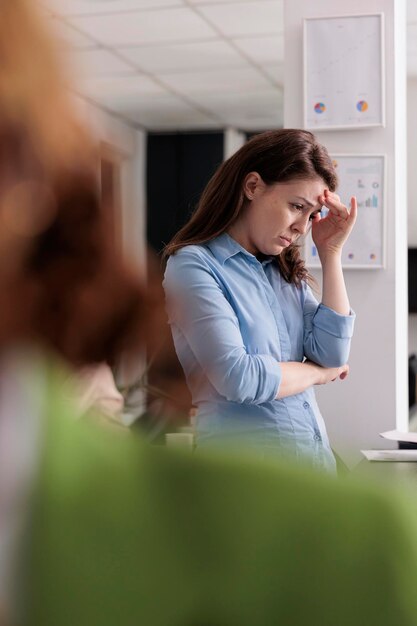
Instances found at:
x=286 y=241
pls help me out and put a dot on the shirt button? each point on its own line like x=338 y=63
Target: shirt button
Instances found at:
x=317 y=438
x=306 y=405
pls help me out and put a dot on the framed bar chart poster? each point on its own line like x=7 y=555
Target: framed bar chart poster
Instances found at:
x=362 y=176
x=344 y=72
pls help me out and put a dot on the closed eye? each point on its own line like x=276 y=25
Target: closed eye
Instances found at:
x=299 y=207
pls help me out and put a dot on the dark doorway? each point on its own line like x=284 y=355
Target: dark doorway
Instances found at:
x=179 y=165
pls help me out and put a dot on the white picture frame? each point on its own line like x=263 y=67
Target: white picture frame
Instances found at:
x=344 y=72
x=363 y=176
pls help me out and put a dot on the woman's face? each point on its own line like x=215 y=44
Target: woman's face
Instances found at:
x=276 y=215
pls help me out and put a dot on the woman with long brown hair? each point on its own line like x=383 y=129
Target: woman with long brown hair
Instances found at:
x=251 y=337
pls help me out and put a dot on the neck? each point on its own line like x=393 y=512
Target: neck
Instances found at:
x=237 y=233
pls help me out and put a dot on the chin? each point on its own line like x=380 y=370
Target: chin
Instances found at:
x=277 y=250
x=272 y=250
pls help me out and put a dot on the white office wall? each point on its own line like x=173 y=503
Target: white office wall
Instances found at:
x=412 y=160
x=133 y=181
x=412 y=191
x=130 y=146
x=233 y=140
x=375 y=396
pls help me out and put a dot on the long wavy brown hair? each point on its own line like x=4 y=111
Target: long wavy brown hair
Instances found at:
x=278 y=156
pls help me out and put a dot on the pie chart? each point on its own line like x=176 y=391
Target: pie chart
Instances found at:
x=362 y=106
x=320 y=107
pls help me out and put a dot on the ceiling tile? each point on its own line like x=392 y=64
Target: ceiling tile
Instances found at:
x=120 y=91
x=262 y=50
x=263 y=109
x=184 y=57
x=229 y=102
x=239 y=80
x=100 y=63
x=69 y=36
x=131 y=29
x=276 y=72
x=169 y=113
x=245 y=18
x=96 y=7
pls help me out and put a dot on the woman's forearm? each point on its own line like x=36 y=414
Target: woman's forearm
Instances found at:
x=334 y=290
x=297 y=377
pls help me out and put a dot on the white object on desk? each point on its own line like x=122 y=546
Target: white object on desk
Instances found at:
x=396 y=435
x=394 y=456
x=180 y=440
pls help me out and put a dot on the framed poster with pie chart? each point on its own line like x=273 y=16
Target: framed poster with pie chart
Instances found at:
x=362 y=176
x=344 y=72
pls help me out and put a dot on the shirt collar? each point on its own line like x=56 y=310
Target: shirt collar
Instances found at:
x=224 y=247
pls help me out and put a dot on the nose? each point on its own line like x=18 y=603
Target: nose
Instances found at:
x=301 y=225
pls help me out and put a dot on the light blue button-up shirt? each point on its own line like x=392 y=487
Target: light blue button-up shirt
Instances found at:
x=233 y=320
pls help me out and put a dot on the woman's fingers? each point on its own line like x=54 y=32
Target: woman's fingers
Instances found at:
x=335 y=206
x=353 y=209
x=341 y=372
x=344 y=373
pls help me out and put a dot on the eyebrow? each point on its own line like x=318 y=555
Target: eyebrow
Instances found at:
x=307 y=202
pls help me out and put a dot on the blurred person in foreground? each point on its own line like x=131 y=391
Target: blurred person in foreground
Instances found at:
x=118 y=532
x=69 y=305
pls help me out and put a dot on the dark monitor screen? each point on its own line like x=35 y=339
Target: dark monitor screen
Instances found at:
x=412 y=280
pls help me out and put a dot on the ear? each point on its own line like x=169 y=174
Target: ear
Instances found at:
x=251 y=184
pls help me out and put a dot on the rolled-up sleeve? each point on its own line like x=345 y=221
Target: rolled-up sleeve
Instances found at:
x=327 y=334
x=198 y=306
